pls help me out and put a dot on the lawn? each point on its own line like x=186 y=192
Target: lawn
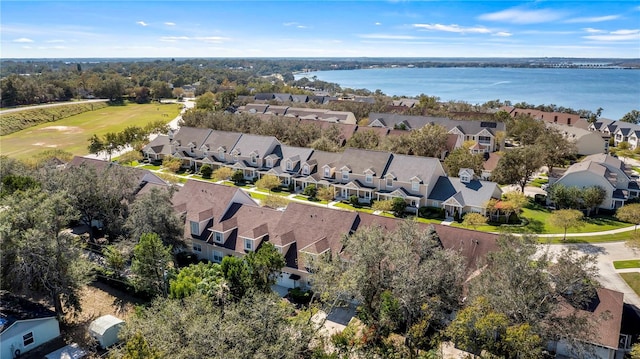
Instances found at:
x=537 y=222
x=277 y=193
x=258 y=196
x=72 y=133
x=632 y=263
x=305 y=198
x=352 y=208
x=538 y=182
x=633 y=280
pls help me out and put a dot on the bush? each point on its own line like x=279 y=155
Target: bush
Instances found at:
x=238 y=177
x=300 y=296
x=206 y=171
x=398 y=206
x=353 y=199
x=310 y=190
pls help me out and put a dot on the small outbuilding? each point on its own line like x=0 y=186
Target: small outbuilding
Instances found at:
x=105 y=330
x=24 y=325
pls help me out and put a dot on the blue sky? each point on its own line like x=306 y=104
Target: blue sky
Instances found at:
x=52 y=29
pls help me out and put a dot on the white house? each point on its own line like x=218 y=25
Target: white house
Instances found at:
x=24 y=325
x=605 y=171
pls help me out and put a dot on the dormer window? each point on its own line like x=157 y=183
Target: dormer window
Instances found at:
x=464 y=178
x=218 y=237
x=221 y=155
x=248 y=244
x=327 y=172
x=305 y=169
x=415 y=186
x=254 y=159
x=289 y=165
x=368 y=178
x=269 y=162
x=195 y=227
x=389 y=181
x=345 y=175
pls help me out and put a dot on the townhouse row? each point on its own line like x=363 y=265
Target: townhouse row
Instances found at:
x=367 y=174
x=225 y=221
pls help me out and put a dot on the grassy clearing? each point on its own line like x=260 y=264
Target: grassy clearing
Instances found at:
x=151 y=167
x=71 y=134
x=305 y=198
x=20 y=120
x=538 y=182
x=352 y=208
x=632 y=263
x=633 y=280
x=258 y=196
x=615 y=237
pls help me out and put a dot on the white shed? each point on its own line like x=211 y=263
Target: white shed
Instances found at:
x=105 y=330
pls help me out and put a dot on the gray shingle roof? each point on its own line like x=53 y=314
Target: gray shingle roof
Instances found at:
x=404 y=167
x=475 y=193
x=416 y=122
x=248 y=143
x=359 y=160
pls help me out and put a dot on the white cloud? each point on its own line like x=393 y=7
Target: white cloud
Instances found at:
x=173 y=38
x=142 y=23
x=592 y=19
x=592 y=30
x=618 y=35
x=301 y=27
x=378 y=23
x=55 y=41
x=387 y=37
x=453 y=28
x=502 y=34
x=289 y=23
x=170 y=23
x=212 y=39
x=23 y=40
x=518 y=16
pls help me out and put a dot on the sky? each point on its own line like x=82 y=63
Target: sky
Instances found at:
x=120 y=29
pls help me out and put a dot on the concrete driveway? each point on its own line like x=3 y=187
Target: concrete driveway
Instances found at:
x=607 y=253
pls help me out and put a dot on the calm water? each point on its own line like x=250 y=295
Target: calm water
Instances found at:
x=616 y=91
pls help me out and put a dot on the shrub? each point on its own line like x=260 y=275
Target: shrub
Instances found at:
x=300 y=296
x=353 y=199
x=206 y=171
x=398 y=206
x=172 y=164
x=238 y=177
x=310 y=190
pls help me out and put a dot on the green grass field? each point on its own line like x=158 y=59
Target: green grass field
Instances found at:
x=633 y=280
x=632 y=263
x=71 y=134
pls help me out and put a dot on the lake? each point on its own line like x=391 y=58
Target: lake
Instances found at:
x=617 y=91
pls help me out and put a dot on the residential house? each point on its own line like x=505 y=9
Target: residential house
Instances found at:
x=302 y=113
x=488 y=136
x=489 y=165
x=319 y=169
x=605 y=171
x=411 y=178
x=604 y=313
x=463 y=194
x=346 y=131
x=203 y=206
x=250 y=152
x=560 y=118
x=358 y=173
x=223 y=221
x=158 y=148
x=586 y=142
x=216 y=149
x=289 y=166
x=24 y=325
x=186 y=142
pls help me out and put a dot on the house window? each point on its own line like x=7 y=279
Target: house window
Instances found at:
x=464 y=178
x=415 y=186
x=254 y=159
x=345 y=175
x=368 y=178
x=195 y=227
x=367 y=195
x=217 y=256
x=305 y=169
x=278 y=248
x=389 y=182
x=27 y=339
x=248 y=244
x=217 y=237
x=269 y=162
x=327 y=172
x=197 y=247
x=484 y=139
x=221 y=155
x=289 y=166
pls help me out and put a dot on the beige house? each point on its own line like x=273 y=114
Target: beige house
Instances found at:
x=586 y=142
